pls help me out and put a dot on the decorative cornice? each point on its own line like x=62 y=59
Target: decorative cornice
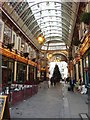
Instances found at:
x=9 y=54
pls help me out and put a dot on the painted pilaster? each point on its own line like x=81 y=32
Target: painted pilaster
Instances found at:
x=15 y=70
x=77 y=73
x=81 y=69
x=27 y=71
x=71 y=73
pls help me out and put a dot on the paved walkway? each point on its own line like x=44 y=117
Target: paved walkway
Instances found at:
x=53 y=102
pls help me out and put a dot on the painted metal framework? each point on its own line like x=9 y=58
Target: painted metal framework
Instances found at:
x=54 y=19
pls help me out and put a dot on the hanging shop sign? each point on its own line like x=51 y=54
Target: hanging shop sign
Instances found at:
x=85 y=45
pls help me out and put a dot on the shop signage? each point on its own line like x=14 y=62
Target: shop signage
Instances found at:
x=85 y=45
x=4 y=108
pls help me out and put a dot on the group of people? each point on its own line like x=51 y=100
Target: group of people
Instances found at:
x=76 y=85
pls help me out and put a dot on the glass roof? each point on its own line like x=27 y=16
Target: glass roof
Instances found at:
x=54 y=19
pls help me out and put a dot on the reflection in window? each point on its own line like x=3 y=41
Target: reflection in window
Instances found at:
x=22 y=45
x=7 y=70
x=10 y=72
x=31 y=73
x=21 y=72
x=19 y=44
x=7 y=35
x=14 y=38
x=1 y=30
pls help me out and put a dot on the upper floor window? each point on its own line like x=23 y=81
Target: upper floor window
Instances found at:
x=14 y=39
x=7 y=35
x=22 y=45
x=1 y=30
x=25 y=47
x=19 y=43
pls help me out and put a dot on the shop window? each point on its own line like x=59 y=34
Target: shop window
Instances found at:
x=35 y=73
x=10 y=71
x=4 y=70
x=22 y=45
x=21 y=72
x=31 y=73
x=29 y=51
x=84 y=62
x=4 y=61
x=14 y=38
x=7 y=70
x=7 y=35
x=25 y=48
x=19 y=43
x=1 y=30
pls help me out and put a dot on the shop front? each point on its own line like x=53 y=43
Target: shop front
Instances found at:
x=32 y=74
x=7 y=70
x=21 y=72
x=86 y=68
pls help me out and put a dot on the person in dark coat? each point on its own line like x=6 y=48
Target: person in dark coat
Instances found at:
x=72 y=83
x=52 y=80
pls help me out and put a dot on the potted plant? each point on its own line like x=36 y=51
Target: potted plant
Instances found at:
x=33 y=59
x=10 y=46
x=26 y=54
x=85 y=17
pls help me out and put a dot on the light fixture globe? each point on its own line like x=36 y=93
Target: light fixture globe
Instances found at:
x=50 y=55
x=40 y=39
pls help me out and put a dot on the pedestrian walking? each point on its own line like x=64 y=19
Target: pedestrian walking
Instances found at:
x=72 y=83
x=52 y=80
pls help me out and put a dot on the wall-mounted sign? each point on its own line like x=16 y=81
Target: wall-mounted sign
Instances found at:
x=4 y=108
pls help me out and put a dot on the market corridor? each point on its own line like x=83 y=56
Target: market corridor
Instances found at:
x=53 y=102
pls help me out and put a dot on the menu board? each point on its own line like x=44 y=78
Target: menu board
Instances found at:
x=4 y=109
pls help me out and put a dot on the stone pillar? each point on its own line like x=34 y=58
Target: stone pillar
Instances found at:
x=15 y=70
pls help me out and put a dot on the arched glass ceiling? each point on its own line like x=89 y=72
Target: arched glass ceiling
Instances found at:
x=54 y=19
